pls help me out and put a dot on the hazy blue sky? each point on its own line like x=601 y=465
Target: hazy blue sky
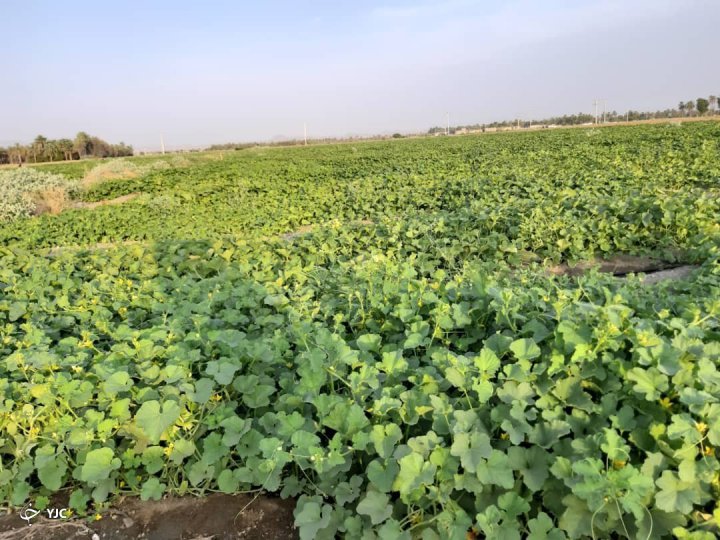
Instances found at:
x=216 y=71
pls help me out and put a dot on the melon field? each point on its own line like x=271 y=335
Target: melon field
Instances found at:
x=407 y=339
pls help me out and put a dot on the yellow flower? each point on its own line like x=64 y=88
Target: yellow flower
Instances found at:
x=98 y=517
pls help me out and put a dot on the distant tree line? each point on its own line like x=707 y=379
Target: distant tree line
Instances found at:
x=698 y=107
x=231 y=146
x=44 y=149
x=296 y=142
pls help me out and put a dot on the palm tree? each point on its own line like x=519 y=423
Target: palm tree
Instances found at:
x=51 y=150
x=18 y=153
x=681 y=108
x=66 y=147
x=38 y=147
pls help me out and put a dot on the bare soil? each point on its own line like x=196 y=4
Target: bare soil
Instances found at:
x=680 y=272
x=617 y=265
x=656 y=270
x=216 y=517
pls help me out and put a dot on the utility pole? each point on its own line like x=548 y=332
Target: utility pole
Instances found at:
x=162 y=145
x=595 y=104
x=305 y=127
x=447 y=128
x=604 y=104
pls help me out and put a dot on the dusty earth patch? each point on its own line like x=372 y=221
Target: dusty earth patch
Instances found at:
x=680 y=272
x=617 y=265
x=216 y=517
x=655 y=270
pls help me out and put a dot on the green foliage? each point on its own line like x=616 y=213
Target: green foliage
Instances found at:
x=18 y=187
x=408 y=379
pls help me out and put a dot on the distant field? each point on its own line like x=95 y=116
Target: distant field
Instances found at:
x=374 y=331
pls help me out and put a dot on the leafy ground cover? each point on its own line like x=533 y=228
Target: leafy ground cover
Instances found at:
x=415 y=375
x=19 y=189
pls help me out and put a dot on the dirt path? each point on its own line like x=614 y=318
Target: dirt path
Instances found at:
x=217 y=517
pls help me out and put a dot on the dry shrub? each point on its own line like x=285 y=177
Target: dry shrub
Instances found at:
x=116 y=169
x=50 y=201
x=180 y=161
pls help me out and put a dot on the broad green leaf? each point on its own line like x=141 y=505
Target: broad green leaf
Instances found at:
x=525 y=349
x=154 y=419
x=376 y=505
x=99 y=463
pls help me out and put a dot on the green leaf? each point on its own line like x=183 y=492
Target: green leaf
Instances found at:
x=203 y=390
x=542 y=528
x=154 y=420
x=513 y=504
x=414 y=473
x=391 y=530
x=471 y=449
x=347 y=492
x=576 y=518
x=355 y=420
x=487 y=362
x=17 y=310
x=413 y=341
x=51 y=468
x=525 y=349
x=228 y=481
x=381 y=475
x=99 y=463
x=496 y=470
x=376 y=505
x=152 y=489
x=182 y=448
x=117 y=382
x=369 y=342
x=222 y=371
x=676 y=495
x=648 y=381
x=385 y=438
x=311 y=516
